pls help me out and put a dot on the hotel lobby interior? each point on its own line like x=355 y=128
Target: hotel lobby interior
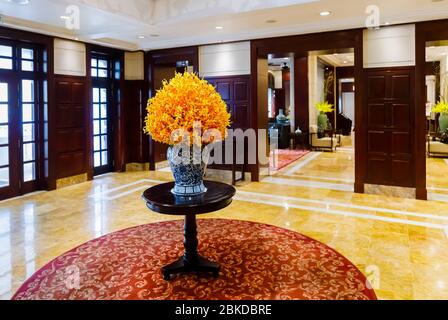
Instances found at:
x=331 y=121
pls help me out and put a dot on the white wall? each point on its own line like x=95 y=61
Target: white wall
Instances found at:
x=389 y=46
x=134 y=66
x=278 y=76
x=69 y=58
x=316 y=78
x=226 y=59
x=443 y=78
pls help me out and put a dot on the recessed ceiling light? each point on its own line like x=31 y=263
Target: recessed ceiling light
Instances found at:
x=141 y=37
x=345 y=62
x=387 y=23
x=325 y=13
x=22 y=2
x=219 y=27
x=65 y=17
x=336 y=54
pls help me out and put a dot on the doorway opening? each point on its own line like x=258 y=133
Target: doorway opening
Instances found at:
x=436 y=79
x=281 y=114
x=323 y=136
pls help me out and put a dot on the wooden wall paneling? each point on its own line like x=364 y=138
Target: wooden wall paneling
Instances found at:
x=235 y=91
x=360 y=119
x=120 y=134
x=255 y=172
x=390 y=126
x=301 y=94
x=135 y=104
x=70 y=128
x=161 y=59
x=89 y=115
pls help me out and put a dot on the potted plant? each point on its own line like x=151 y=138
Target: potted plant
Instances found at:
x=322 y=119
x=187 y=114
x=442 y=108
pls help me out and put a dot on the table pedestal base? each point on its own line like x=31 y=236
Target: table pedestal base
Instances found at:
x=181 y=266
x=191 y=261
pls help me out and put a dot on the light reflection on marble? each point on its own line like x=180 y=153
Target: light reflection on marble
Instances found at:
x=412 y=259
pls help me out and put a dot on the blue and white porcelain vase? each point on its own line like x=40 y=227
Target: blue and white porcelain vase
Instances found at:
x=188 y=174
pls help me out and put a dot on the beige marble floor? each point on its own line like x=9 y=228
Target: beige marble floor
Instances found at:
x=403 y=241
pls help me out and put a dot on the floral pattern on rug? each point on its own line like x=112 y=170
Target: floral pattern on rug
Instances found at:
x=258 y=262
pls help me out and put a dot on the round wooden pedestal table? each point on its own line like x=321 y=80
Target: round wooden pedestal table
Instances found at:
x=161 y=200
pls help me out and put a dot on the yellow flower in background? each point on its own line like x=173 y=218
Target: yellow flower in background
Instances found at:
x=324 y=107
x=183 y=101
x=440 y=107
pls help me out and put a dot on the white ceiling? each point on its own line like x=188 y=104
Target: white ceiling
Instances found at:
x=339 y=59
x=174 y=23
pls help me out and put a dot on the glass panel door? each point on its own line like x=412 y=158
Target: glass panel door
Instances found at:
x=29 y=126
x=4 y=135
x=101 y=152
x=102 y=117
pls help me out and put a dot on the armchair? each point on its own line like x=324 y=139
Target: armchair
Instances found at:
x=326 y=143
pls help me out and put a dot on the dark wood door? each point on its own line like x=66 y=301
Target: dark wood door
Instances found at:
x=390 y=127
x=9 y=139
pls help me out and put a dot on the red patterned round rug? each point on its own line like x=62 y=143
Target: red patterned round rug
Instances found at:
x=258 y=261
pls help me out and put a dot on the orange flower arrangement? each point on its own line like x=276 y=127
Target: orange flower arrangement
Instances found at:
x=183 y=101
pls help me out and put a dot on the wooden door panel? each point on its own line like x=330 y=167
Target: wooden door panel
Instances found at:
x=376 y=115
x=70 y=123
x=64 y=116
x=240 y=115
x=400 y=86
x=376 y=87
x=389 y=125
x=241 y=91
x=400 y=171
x=78 y=93
x=223 y=89
x=378 y=142
x=401 y=144
x=401 y=116
x=378 y=170
x=63 y=92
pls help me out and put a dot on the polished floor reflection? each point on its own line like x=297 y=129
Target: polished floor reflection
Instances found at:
x=402 y=243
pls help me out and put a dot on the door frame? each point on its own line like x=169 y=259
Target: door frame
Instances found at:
x=14 y=78
x=300 y=45
x=425 y=31
x=119 y=124
x=47 y=44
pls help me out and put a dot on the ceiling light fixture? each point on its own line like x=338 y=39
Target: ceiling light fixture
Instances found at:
x=65 y=17
x=345 y=62
x=387 y=23
x=21 y=2
x=141 y=37
x=325 y=13
x=219 y=27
